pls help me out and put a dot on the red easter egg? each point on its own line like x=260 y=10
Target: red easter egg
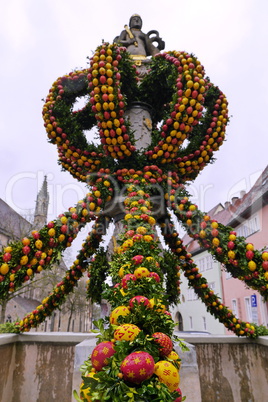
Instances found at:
x=168 y=313
x=137 y=367
x=155 y=276
x=126 y=278
x=165 y=343
x=101 y=353
x=179 y=398
x=138 y=300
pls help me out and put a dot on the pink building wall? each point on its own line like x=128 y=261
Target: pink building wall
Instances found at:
x=234 y=289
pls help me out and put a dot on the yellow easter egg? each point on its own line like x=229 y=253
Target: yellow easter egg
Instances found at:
x=167 y=374
x=175 y=357
x=117 y=312
x=161 y=308
x=141 y=272
x=126 y=332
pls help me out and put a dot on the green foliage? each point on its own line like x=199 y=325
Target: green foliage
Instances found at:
x=149 y=319
x=98 y=273
x=261 y=330
x=9 y=327
x=169 y=267
x=158 y=87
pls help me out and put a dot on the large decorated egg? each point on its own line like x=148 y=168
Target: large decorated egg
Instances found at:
x=167 y=374
x=126 y=278
x=126 y=332
x=160 y=307
x=167 y=313
x=141 y=272
x=121 y=271
x=175 y=357
x=84 y=392
x=179 y=398
x=101 y=353
x=137 y=367
x=164 y=342
x=123 y=293
x=117 y=312
x=136 y=300
x=155 y=276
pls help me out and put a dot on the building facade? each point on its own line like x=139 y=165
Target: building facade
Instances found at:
x=248 y=215
x=250 y=220
x=77 y=313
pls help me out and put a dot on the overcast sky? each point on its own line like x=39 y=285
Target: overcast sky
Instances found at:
x=42 y=40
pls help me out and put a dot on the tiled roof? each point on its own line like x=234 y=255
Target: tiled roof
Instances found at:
x=254 y=199
x=11 y=223
x=26 y=304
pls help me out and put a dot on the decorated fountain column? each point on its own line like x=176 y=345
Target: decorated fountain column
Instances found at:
x=139 y=154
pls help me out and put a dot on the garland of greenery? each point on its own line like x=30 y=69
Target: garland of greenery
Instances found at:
x=58 y=295
x=21 y=260
x=200 y=286
x=97 y=273
x=239 y=257
x=176 y=89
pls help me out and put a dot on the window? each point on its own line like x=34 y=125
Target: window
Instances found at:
x=204 y=323
x=249 y=227
x=201 y=264
x=228 y=275
x=248 y=308
x=191 y=322
x=212 y=286
x=234 y=307
x=191 y=295
x=209 y=262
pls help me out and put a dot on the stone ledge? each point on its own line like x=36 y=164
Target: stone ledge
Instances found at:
x=228 y=339
x=77 y=337
x=46 y=337
x=6 y=339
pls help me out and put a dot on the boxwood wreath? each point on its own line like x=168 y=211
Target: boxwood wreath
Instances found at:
x=135 y=359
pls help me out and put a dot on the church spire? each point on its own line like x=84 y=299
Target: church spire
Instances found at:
x=41 y=206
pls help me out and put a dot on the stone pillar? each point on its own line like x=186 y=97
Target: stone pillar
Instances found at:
x=140 y=120
x=189 y=373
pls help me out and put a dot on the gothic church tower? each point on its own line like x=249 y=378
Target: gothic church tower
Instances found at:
x=41 y=207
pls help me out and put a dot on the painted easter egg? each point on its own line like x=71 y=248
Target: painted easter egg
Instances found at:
x=179 y=398
x=141 y=272
x=126 y=332
x=117 y=312
x=155 y=276
x=137 y=367
x=84 y=392
x=164 y=342
x=167 y=374
x=160 y=307
x=126 y=278
x=175 y=357
x=136 y=300
x=101 y=353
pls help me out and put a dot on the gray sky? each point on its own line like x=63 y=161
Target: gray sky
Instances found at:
x=45 y=39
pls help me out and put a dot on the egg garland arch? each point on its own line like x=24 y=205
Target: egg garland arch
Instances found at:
x=190 y=108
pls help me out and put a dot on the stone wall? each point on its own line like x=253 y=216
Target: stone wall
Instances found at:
x=37 y=367
x=233 y=372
